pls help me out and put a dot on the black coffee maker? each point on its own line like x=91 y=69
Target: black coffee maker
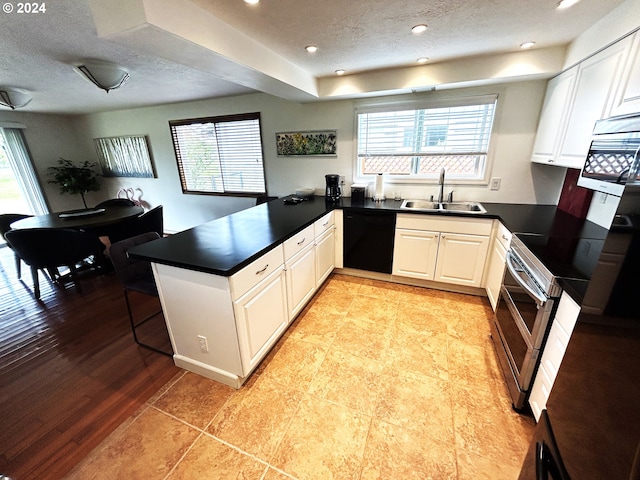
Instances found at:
x=332 y=193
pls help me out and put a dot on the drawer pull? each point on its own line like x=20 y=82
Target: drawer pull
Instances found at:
x=263 y=270
x=325 y=223
x=302 y=241
x=504 y=237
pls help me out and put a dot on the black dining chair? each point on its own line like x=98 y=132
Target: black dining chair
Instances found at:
x=136 y=276
x=50 y=248
x=6 y=220
x=116 y=202
x=150 y=221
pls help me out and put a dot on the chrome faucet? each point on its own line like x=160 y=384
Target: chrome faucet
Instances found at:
x=441 y=183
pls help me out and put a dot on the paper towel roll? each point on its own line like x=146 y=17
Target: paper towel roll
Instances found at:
x=379 y=188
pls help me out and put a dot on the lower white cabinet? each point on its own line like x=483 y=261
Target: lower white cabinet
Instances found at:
x=301 y=279
x=325 y=249
x=451 y=250
x=553 y=352
x=261 y=317
x=497 y=264
x=415 y=253
x=461 y=259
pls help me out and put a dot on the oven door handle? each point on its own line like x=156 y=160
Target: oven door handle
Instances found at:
x=520 y=276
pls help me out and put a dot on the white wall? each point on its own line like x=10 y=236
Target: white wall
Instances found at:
x=519 y=106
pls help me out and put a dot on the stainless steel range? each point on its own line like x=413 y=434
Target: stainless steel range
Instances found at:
x=526 y=306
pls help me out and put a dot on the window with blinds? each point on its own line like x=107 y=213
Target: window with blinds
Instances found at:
x=419 y=142
x=220 y=155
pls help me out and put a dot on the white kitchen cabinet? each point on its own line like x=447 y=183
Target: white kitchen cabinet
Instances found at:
x=574 y=101
x=628 y=94
x=325 y=246
x=451 y=250
x=497 y=264
x=301 y=279
x=556 y=346
x=555 y=111
x=415 y=253
x=325 y=255
x=261 y=317
x=461 y=259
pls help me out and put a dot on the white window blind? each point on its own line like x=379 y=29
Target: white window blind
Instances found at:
x=220 y=155
x=419 y=142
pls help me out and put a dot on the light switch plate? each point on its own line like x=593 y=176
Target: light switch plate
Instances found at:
x=495 y=183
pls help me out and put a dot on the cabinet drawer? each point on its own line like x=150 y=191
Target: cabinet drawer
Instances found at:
x=504 y=236
x=437 y=223
x=298 y=242
x=323 y=224
x=255 y=272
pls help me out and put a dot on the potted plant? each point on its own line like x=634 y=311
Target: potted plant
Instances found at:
x=75 y=179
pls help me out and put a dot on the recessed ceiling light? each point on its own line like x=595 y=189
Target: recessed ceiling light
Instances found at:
x=311 y=48
x=252 y=2
x=526 y=45
x=562 y=4
x=422 y=60
x=419 y=28
x=340 y=72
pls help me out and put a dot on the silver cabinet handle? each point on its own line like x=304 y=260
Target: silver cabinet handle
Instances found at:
x=325 y=223
x=504 y=237
x=262 y=271
x=302 y=241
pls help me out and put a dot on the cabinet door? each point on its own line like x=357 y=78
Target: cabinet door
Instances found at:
x=301 y=280
x=553 y=116
x=414 y=253
x=461 y=259
x=325 y=256
x=592 y=101
x=553 y=353
x=628 y=96
x=495 y=272
x=261 y=317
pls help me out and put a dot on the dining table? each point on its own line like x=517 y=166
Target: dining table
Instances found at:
x=94 y=221
x=91 y=219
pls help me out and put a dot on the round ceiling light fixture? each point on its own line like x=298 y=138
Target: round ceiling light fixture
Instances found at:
x=422 y=60
x=311 y=48
x=563 y=4
x=340 y=72
x=252 y=2
x=526 y=45
x=419 y=29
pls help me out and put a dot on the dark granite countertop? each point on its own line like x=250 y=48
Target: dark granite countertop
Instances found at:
x=226 y=245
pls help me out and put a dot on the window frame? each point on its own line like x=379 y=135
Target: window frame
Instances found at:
x=217 y=120
x=426 y=103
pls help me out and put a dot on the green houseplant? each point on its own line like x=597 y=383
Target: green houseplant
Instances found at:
x=75 y=179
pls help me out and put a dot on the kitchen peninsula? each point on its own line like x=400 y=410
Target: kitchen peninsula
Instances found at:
x=230 y=287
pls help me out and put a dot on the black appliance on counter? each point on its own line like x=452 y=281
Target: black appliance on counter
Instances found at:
x=591 y=426
x=333 y=192
x=368 y=240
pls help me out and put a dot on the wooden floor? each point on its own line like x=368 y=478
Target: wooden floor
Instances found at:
x=70 y=371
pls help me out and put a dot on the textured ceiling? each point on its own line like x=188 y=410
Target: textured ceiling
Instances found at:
x=37 y=51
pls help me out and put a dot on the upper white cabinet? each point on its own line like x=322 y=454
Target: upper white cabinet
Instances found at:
x=573 y=102
x=628 y=95
x=451 y=250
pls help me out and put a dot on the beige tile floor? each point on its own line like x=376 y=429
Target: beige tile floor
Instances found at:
x=373 y=380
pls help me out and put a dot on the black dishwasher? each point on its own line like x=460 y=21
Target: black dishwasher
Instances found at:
x=368 y=240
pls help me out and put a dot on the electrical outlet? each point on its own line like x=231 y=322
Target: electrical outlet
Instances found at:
x=495 y=183
x=341 y=179
x=204 y=348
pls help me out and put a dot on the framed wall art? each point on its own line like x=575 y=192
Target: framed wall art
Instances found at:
x=124 y=156
x=313 y=143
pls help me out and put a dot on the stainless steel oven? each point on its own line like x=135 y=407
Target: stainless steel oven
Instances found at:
x=525 y=309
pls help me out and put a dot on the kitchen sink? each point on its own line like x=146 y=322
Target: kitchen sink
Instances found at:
x=453 y=207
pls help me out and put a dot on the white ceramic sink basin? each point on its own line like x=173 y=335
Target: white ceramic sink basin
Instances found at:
x=453 y=207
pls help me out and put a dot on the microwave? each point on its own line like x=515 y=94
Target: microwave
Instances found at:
x=613 y=162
